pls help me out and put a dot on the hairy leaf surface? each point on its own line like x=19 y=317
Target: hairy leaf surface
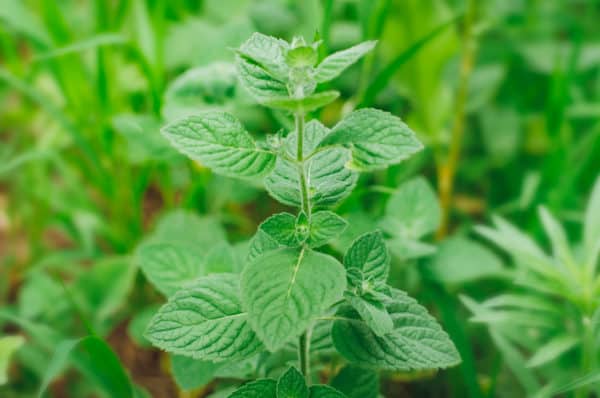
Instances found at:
x=285 y=289
x=336 y=63
x=325 y=226
x=367 y=260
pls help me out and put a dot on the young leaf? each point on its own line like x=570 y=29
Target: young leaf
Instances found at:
x=376 y=138
x=314 y=132
x=8 y=346
x=168 y=266
x=329 y=181
x=275 y=232
x=302 y=105
x=416 y=343
x=368 y=258
x=291 y=384
x=325 y=226
x=268 y=52
x=357 y=382
x=336 y=63
x=321 y=391
x=259 y=83
x=412 y=211
x=557 y=236
x=219 y=141
x=283 y=290
x=373 y=313
x=264 y=388
x=205 y=321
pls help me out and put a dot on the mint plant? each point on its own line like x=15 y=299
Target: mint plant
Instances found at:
x=288 y=292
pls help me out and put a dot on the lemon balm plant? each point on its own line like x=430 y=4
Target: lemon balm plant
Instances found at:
x=288 y=290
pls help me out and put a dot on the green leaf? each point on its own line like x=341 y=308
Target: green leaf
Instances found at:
x=591 y=228
x=219 y=141
x=285 y=289
x=291 y=384
x=412 y=211
x=8 y=346
x=329 y=181
x=367 y=261
x=557 y=236
x=268 y=52
x=416 y=343
x=205 y=321
x=282 y=228
x=261 y=243
x=139 y=322
x=265 y=388
x=321 y=391
x=586 y=380
x=302 y=105
x=314 y=132
x=373 y=313
x=169 y=266
x=408 y=249
x=96 y=355
x=357 y=382
x=325 y=226
x=190 y=373
x=336 y=63
x=259 y=83
x=460 y=260
x=553 y=349
x=376 y=138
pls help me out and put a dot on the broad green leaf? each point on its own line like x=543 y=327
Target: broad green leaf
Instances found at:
x=185 y=227
x=373 y=313
x=336 y=63
x=367 y=261
x=284 y=290
x=408 y=249
x=190 y=373
x=205 y=321
x=416 y=343
x=91 y=353
x=265 y=388
x=322 y=391
x=412 y=211
x=591 y=227
x=291 y=384
x=329 y=181
x=314 y=132
x=302 y=105
x=552 y=350
x=460 y=260
x=221 y=259
x=357 y=382
x=325 y=226
x=8 y=346
x=261 y=243
x=220 y=142
x=268 y=52
x=282 y=228
x=169 y=266
x=259 y=83
x=376 y=138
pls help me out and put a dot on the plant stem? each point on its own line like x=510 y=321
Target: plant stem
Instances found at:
x=299 y=121
x=304 y=355
x=447 y=170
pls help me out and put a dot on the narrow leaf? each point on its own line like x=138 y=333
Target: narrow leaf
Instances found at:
x=336 y=63
x=8 y=346
x=552 y=350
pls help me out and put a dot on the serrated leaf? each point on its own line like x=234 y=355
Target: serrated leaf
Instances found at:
x=291 y=384
x=302 y=105
x=314 y=132
x=325 y=226
x=367 y=259
x=416 y=343
x=268 y=52
x=259 y=83
x=205 y=321
x=265 y=388
x=190 y=373
x=168 y=266
x=285 y=289
x=220 y=142
x=336 y=63
x=412 y=211
x=357 y=382
x=282 y=228
x=261 y=243
x=322 y=391
x=373 y=313
x=329 y=181
x=8 y=346
x=376 y=138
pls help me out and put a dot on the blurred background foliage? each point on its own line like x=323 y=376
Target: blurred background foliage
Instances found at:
x=504 y=93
